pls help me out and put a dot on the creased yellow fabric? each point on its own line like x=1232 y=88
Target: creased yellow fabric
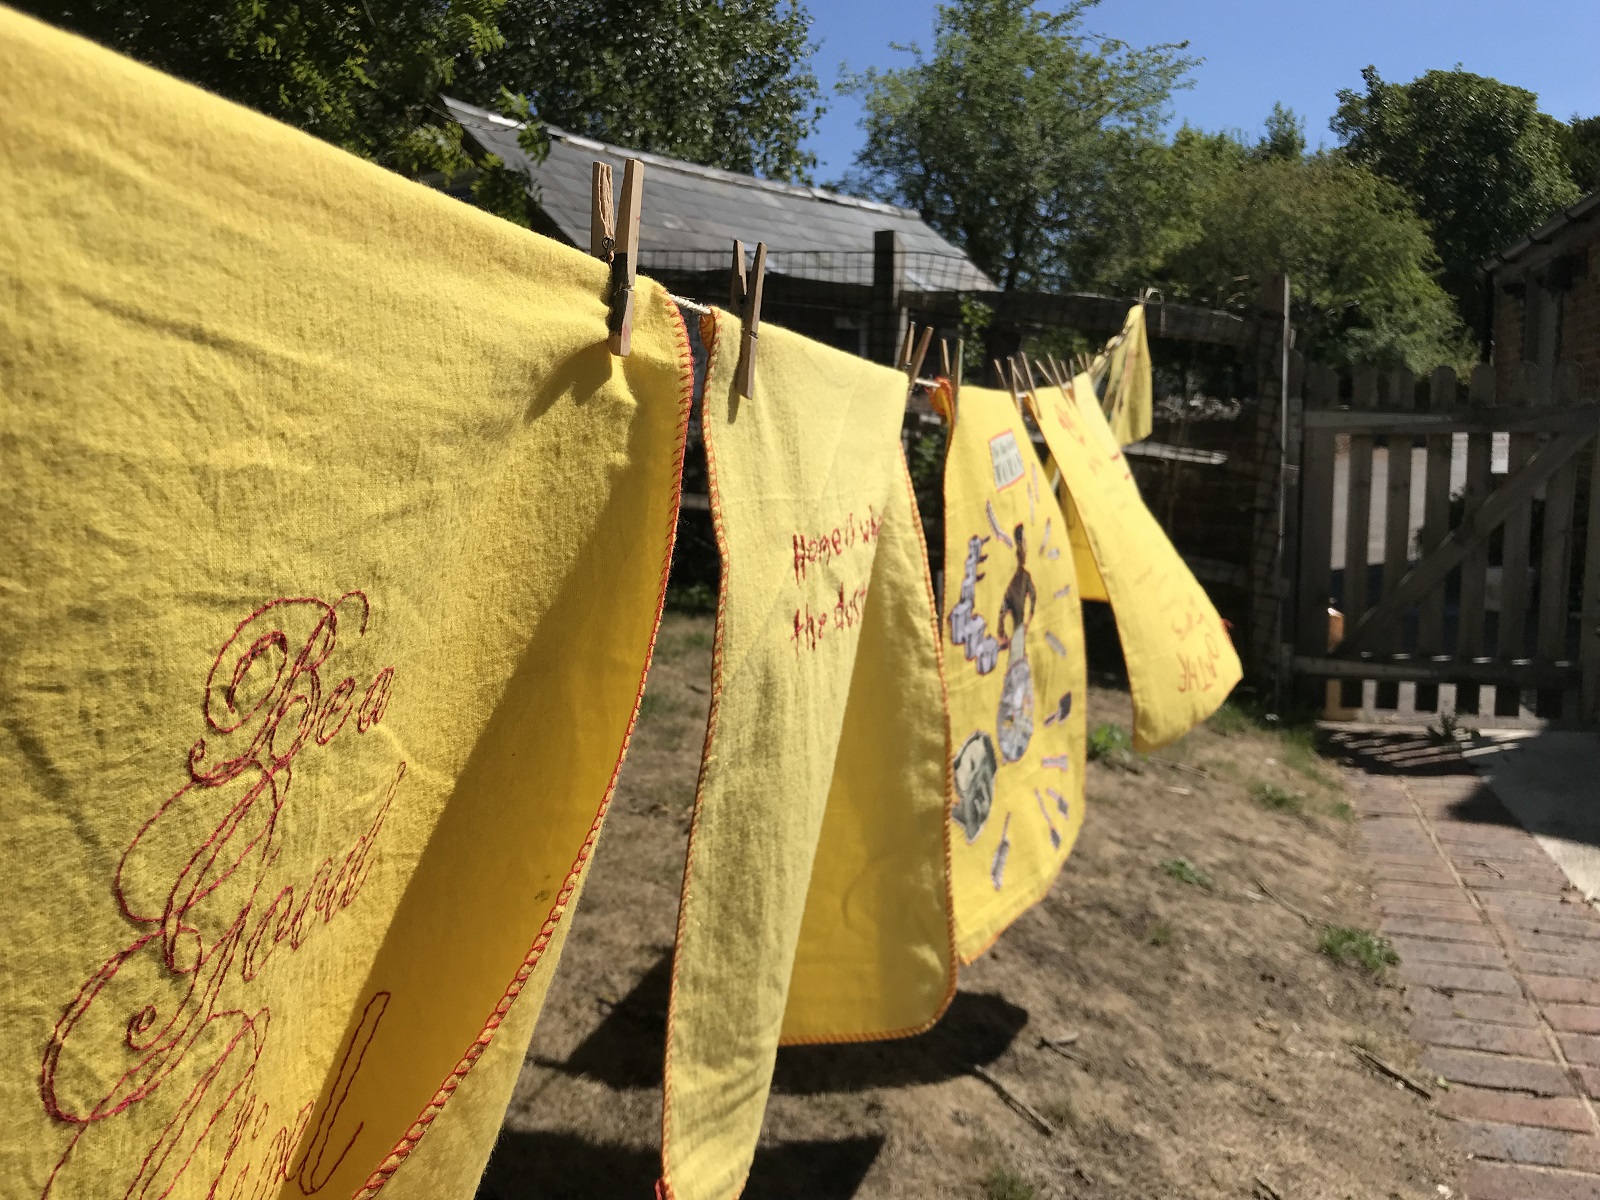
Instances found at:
x=814 y=902
x=1181 y=663
x=332 y=542
x=1014 y=667
x=1128 y=383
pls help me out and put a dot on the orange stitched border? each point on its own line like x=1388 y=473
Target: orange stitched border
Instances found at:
x=719 y=530
x=407 y=1143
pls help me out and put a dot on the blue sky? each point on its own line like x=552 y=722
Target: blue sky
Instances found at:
x=1259 y=51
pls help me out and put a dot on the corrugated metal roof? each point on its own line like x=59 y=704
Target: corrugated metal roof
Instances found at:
x=692 y=211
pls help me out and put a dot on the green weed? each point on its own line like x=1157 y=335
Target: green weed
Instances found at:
x=1341 y=810
x=1003 y=1183
x=1109 y=741
x=1159 y=934
x=1185 y=871
x=1272 y=797
x=1231 y=719
x=1361 y=946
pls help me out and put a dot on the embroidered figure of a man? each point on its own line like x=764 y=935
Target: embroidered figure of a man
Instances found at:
x=1021 y=596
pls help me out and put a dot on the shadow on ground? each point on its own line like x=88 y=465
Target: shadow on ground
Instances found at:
x=625 y=1049
x=563 y=1166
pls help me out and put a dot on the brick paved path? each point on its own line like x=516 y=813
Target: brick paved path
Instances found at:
x=1501 y=962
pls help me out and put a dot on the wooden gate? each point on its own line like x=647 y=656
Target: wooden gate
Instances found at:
x=1484 y=569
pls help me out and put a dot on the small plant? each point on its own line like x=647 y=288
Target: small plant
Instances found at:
x=1450 y=729
x=1059 y=1111
x=1109 y=741
x=1231 y=719
x=1159 y=934
x=1003 y=1183
x=1185 y=871
x=1341 y=810
x=653 y=705
x=1361 y=946
x=1272 y=797
x=694 y=598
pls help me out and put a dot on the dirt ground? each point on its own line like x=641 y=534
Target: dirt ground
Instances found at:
x=1212 y=1056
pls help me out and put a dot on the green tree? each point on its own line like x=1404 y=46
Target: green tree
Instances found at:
x=1482 y=163
x=1580 y=143
x=1361 y=264
x=1285 y=135
x=1017 y=136
x=720 y=82
x=362 y=74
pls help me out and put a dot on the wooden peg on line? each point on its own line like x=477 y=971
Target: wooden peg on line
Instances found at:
x=914 y=367
x=1027 y=374
x=999 y=373
x=944 y=357
x=750 y=322
x=906 y=343
x=602 y=214
x=625 y=258
x=961 y=360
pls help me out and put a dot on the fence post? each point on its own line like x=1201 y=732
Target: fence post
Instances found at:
x=885 y=321
x=1275 y=452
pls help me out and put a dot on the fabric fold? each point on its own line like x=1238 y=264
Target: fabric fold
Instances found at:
x=334 y=542
x=814 y=899
x=1180 y=660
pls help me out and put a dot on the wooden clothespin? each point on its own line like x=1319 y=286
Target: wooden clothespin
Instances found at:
x=625 y=258
x=602 y=214
x=1027 y=374
x=961 y=362
x=944 y=357
x=914 y=366
x=744 y=292
x=999 y=374
x=903 y=360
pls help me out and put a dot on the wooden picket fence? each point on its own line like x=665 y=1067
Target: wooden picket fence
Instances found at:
x=1479 y=592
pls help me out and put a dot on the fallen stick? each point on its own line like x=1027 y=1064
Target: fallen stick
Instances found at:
x=1059 y=1045
x=1487 y=865
x=1015 y=1101
x=1399 y=1076
x=1266 y=1190
x=1178 y=766
x=1277 y=899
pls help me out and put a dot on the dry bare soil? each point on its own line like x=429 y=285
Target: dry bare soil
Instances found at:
x=1212 y=1055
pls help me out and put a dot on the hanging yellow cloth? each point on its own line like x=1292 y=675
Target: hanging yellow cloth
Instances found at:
x=1128 y=401
x=814 y=899
x=1181 y=662
x=1014 y=666
x=332 y=544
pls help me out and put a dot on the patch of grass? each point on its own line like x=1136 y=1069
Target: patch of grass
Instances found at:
x=1300 y=752
x=694 y=598
x=695 y=639
x=1059 y=1111
x=1275 y=799
x=1341 y=810
x=1109 y=741
x=1360 y=946
x=1159 y=934
x=1231 y=719
x=1003 y=1183
x=655 y=705
x=1185 y=871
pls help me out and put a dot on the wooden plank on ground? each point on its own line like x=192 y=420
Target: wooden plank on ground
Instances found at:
x=1555 y=564
x=1436 y=508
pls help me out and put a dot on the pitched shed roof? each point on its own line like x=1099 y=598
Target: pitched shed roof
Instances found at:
x=1584 y=210
x=691 y=213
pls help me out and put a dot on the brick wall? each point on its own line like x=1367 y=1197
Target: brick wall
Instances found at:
x=1580 y=321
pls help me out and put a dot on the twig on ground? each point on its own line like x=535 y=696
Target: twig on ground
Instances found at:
x=1015 y=1101
x=1277 y=899
x=1394 y=1073
x=1265 y=1191
x=1178 y=766
x=1488 y=866
x=1060 y=1044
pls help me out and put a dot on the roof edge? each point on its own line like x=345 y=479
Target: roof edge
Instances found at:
x=1572 y=215
x=688 y=168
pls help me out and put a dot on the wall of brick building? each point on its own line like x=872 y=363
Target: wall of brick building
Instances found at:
x=1580 y=318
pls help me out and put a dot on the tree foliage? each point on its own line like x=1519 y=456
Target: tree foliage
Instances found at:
x=1360 y=262
x=1580 y=143
x=1482 y=163
x=362 y=74
x=1012 y=134
x=726 y=83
